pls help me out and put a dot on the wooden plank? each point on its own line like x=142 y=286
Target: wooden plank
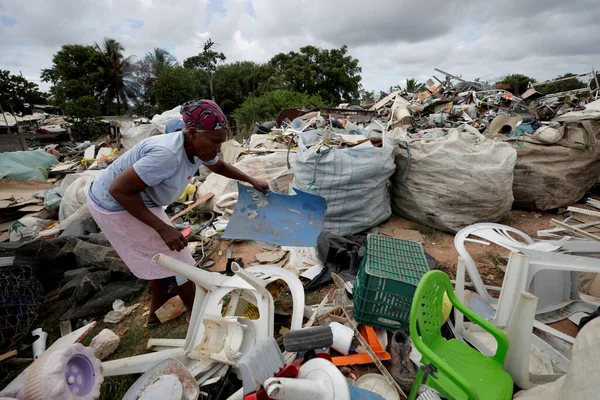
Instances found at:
x=201 y=200
x=10 y=354
x=577 y=231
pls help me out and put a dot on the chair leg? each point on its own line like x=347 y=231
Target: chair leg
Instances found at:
x=416 y=384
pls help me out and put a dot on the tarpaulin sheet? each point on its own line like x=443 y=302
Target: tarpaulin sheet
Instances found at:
x=278 y=219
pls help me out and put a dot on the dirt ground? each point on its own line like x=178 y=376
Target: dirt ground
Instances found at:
x=134 y=335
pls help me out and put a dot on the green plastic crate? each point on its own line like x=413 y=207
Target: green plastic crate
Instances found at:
x=387 y=279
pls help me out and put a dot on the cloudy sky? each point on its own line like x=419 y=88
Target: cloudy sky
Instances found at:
x=393 y=39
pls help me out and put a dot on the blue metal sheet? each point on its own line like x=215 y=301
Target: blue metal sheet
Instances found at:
x=278 y=219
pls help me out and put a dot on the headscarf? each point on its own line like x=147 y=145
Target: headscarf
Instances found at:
x=205 y=115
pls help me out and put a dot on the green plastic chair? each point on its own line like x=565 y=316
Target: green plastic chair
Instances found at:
x=461 y=372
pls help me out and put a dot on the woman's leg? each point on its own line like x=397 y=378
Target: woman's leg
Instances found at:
x=187 y=292
x=159 y=295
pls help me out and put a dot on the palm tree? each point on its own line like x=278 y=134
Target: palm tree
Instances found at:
x=118 y=72
x=160 y=59
x=413 y=85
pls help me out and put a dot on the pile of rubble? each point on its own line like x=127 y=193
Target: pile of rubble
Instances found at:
x=456 y=156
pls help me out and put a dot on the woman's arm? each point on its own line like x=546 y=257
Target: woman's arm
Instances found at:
x=126 y=190
x=229 y=171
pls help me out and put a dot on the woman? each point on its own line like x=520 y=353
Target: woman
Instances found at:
x=126 y=199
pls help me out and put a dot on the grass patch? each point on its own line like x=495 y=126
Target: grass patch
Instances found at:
x=427 y=231
x=115 y=387
x=497 y=260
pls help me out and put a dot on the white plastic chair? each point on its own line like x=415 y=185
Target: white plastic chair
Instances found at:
x=530 y=360
x=211 y=289
x=552 y=275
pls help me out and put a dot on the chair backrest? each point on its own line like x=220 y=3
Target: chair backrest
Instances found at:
x=426 y=314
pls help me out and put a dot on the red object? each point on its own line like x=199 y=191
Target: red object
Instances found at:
x=289 y=371
x=187 y=231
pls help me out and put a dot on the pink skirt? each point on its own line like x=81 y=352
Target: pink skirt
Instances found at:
x=137 y=243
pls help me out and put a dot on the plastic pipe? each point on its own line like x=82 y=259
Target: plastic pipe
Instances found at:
x=519 y=335
x=294 y=389
x=39 y=346
x=342 y=337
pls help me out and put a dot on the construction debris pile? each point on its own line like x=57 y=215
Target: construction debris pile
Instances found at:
x=458 y=157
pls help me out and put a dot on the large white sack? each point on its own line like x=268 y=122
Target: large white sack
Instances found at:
x=160 y=120
x=454 y=181
x=132 y=134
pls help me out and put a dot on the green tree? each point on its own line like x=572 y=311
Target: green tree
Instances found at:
x=118 y=73
x=84 y=114
x=562 y=86
x=147 y=70
x=76 y=72
x=517 y=83
x=208 y=61
x=332 y=74
x=17 y=92
x=176 y=85
x=267 y=106
x=235 y=82
x=367 y=94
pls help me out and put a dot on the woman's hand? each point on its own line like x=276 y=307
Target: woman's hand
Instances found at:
x=261 y=186
x=172 y=237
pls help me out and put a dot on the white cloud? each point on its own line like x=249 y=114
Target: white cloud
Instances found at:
x=392 y=39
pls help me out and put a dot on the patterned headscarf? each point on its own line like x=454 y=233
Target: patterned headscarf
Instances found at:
x=205 y=115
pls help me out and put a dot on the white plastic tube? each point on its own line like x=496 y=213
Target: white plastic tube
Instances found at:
x=39 y=346
x=342 y=337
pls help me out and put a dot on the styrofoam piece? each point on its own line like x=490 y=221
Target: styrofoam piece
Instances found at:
x=376 y=383
x=318 y=379
x=264 y=362
x=342 y=337
x=169 y=379
x=39 y=346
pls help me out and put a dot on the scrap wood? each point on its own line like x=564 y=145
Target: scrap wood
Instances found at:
x=577 y=231
x=170 y=310
x=270 y=256
x=201 y=200
x=10 y=354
